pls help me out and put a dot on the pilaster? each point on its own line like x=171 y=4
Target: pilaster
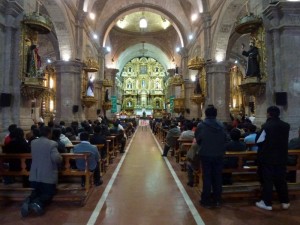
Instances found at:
x=218 y=88
x=68 y=91
x=282 y=23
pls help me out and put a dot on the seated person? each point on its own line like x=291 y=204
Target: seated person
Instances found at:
x=16 y=145
x=56 y=132
x=99 y=138
x=70 y=133
x=8 y=137
x=170 y=138
x=188 y=134
x=250 y=138
x=94 y=158
x=235 y=145
x=193 y=162
x=122 y=140
x=293 y=144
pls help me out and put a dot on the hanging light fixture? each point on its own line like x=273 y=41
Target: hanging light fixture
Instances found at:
x=143 y=22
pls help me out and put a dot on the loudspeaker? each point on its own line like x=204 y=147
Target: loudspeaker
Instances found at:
x=98 y=111
x=5 y=99
x=75 y=108
x=281 y=98
x=187 y=111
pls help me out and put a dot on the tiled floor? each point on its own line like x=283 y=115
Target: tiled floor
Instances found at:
x=144 y=192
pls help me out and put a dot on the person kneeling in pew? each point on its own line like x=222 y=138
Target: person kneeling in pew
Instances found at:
x=94 y=158
x=43 y=173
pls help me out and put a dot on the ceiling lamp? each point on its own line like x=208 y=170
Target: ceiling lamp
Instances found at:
x=143 y=23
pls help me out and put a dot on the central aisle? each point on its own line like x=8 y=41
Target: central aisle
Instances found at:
x=144 y=191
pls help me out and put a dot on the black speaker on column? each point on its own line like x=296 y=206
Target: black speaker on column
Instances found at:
x=281 y=98
x=5 y=99
x=98 y=111
x=75 y=108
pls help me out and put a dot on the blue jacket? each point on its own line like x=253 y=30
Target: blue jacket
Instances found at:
x=94 y=158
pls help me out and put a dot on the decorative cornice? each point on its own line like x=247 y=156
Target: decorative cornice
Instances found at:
x=196 y=63
x=91 y=65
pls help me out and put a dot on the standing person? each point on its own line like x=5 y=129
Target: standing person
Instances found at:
x=272 y=158
x=211 y=137
x=43 y=173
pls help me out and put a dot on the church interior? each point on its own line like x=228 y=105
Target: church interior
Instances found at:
x=77 y=60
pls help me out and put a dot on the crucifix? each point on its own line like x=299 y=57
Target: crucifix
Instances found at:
x=39 y=3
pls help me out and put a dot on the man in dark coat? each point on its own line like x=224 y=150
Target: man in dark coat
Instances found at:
x=211 y=137
x=272 y=158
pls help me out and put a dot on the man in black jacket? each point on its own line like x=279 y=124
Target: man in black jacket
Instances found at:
x=211 y=137
x=272 y=159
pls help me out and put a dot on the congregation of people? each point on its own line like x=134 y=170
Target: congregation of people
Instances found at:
x=46 y=143
x=210 y=140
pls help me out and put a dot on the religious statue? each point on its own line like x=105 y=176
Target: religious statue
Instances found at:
x=143 y=83
x=90 y=87
x=197 y=89
x=253 y=63
x=33 y=61
x=157 y=85
x=106 y=99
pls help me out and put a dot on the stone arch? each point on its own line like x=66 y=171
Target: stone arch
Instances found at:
x=62 y=28
x=137 y=7
x=224 y=28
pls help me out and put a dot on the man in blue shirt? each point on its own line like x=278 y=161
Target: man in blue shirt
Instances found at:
x=94 y=158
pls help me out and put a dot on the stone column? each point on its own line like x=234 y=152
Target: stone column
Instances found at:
x=191 y=107
x=10 y=83
x=68 y=91
x=282 y=23
x=110 y=74
x=218 y=89
x=79 y=21
x=184 y=63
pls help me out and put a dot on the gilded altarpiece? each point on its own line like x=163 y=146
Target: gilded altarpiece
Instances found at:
x=143 y=86
x=236 y=104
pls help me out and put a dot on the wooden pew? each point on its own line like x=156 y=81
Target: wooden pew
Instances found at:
x=250 y=188
x=103 y=161
x=182 y=144
x=66 y=191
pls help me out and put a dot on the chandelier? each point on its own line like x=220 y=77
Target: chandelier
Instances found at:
x=143 y=22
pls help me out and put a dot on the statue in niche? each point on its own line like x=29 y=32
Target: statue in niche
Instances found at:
x=143 y=83
x=157 y=84
x=253 y=69
x=129 y=85
x=129 y=69
x=129 y=104
x=106 y=99
x=90 y=87
x=157 y=103
x=197 y=89
x=33 y=62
